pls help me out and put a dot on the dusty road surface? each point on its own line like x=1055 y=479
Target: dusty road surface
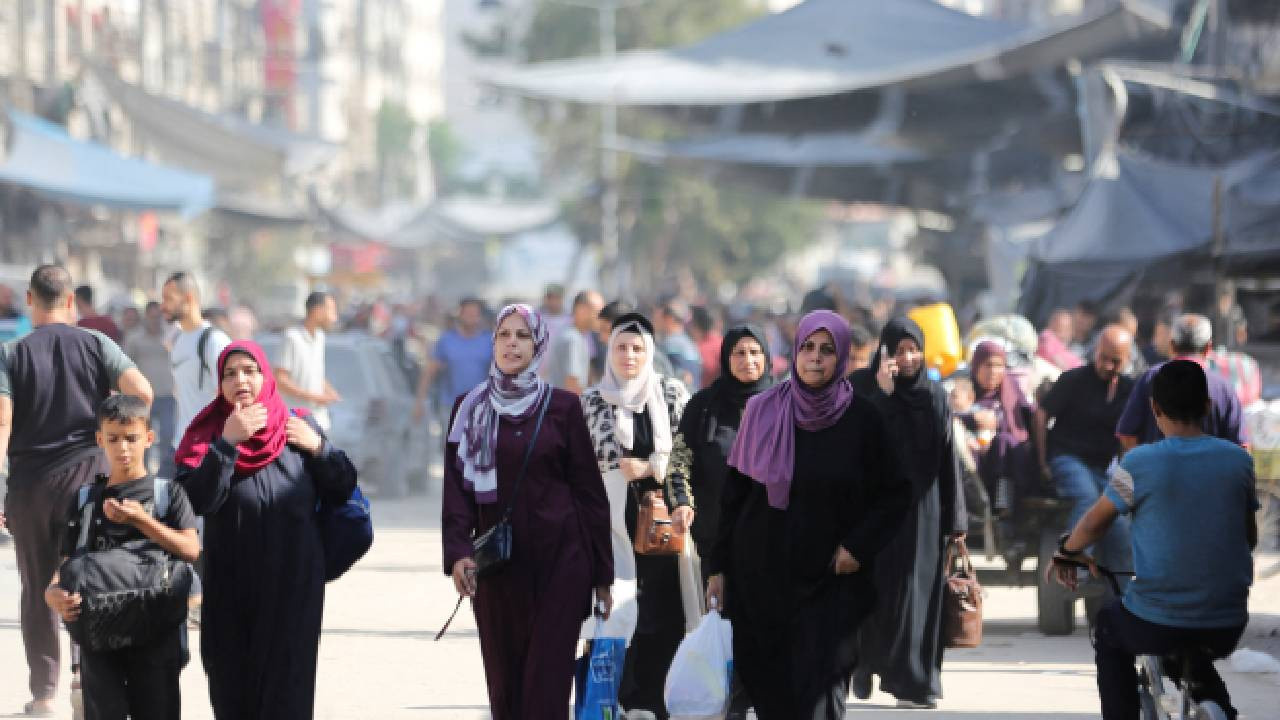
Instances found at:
x=378 y=660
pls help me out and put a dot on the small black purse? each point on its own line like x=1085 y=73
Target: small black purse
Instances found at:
x=492 y=550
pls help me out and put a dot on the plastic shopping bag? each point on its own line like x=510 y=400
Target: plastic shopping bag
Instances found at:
x=597 y=679
x=698 y=681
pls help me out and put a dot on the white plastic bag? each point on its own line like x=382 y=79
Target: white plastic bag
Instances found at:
x=698 y=682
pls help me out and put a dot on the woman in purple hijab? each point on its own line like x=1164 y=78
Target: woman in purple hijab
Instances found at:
x=528 y=613
x=812 y=496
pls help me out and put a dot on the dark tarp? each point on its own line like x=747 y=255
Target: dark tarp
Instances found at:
x=1149 y=221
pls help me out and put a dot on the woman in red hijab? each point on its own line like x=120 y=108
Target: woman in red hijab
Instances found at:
x=255 y=472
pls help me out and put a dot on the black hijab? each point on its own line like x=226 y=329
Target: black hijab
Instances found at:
x=727 y=396
x=918 y=405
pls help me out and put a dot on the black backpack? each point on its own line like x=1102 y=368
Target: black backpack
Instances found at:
x=130 y=595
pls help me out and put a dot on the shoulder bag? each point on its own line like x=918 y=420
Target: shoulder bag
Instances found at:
x=962 y=599
x=346 y=529
x=654 y=532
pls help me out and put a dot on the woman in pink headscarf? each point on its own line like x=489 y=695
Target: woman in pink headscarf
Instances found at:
x=812 y=496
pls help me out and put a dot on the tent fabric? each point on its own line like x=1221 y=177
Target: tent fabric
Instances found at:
x=45 y=159
x=1141 y=209
x=825 y=47
x=805 y=150
x=238 y=153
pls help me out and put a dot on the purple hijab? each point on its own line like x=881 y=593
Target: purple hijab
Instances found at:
x=517 y=397
x=1010 y=396
x=765 y=449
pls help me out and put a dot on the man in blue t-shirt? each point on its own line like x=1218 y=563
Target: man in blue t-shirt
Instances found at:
x=1192 y=339
x=1191 y=498
x=463 y=354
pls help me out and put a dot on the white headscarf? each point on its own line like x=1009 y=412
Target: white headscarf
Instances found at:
x=475 y=426
x=628 y=397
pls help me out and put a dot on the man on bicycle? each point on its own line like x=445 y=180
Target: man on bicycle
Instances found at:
x=1192 y=500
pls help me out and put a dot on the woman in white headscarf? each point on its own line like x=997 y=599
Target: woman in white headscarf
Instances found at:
x=632 y=415
x=529 y=612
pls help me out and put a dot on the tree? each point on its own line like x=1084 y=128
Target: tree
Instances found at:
x=395 y=129
x=669 y=218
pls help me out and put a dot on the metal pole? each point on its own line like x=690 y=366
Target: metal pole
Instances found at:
x=609 y=236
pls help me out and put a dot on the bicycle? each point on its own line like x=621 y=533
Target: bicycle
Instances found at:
x=1162 y=696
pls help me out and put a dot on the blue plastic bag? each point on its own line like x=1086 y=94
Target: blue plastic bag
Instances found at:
x=597 y=679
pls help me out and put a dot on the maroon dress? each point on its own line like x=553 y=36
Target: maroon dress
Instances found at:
x=529 y=614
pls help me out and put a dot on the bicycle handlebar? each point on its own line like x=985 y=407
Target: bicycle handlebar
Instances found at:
x=1085 y=561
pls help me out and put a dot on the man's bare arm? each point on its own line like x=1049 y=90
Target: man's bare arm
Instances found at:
x=133 y=382
x=290 y=388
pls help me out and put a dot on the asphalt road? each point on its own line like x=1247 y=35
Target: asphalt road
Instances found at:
x=378 y=660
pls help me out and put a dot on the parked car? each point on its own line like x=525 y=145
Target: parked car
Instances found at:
x=373 y=422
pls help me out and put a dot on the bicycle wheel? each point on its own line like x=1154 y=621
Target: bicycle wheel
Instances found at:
x=1150 y=688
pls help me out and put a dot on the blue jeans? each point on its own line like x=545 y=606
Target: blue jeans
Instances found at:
x=1082 y=485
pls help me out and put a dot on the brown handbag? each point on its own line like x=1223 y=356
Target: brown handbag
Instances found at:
x=654 y=533
x=962 y=600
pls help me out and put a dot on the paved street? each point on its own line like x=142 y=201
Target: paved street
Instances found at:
x=378 y=659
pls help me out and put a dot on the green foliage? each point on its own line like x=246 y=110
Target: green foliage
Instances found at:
x=446 y=151
x=394 y=141
x=669 y=218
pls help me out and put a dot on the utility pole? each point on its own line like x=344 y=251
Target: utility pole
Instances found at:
x=609 y=234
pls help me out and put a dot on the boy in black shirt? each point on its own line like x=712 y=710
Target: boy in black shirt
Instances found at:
x=138 y=682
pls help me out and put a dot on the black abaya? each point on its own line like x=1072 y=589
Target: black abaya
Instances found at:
x=795 y=622
x=902 y=640
x=264 y=577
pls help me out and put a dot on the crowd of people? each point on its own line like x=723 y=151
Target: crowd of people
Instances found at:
x=818 y=465
x=185 y=408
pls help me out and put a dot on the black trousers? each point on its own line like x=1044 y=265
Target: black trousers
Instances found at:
x=36 y=510
x=138 y=683
x=1119 y=636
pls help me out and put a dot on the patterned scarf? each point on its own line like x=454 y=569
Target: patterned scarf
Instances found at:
x=518 y=397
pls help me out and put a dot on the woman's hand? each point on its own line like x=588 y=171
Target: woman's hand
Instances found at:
x=715 y=592
x=243 y=422
x=604 y=602
x=123 y=512
x=682 y=519
x=66 y=604
x=986 y=420
x=634 y=469
x=887 y=372
x=464 y=577
x=844 y=563
x=300 y=434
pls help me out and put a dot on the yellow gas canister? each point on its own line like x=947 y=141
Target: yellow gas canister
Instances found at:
x=943 y=349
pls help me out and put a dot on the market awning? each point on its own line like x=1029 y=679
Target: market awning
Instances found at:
x=827 y=47
x=44 y=158
x=238 y=153
x=771 y=149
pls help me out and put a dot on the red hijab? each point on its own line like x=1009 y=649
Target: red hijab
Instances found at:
x=264 y=446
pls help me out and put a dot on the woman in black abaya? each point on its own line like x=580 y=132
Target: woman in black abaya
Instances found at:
x=902 y=640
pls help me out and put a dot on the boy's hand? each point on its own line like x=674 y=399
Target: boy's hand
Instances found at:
x=123 y=512
x=66 y=604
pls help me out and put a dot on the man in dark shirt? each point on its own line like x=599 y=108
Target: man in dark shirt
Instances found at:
x=1192 y=339
x=89 y=317
x=1084 y=405
x=51 y=383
